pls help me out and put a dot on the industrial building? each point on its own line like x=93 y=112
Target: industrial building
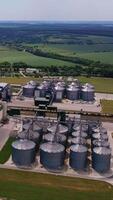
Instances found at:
x=58 y=148
x=57 y=91
x=52 y=139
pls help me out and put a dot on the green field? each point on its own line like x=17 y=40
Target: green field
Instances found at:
x=20 y=185
x=6 y=151
x=102 y=85
x=104 y=57
x=107 y=106
x=12 y=55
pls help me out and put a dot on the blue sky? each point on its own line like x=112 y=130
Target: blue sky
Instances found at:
x=56 y=9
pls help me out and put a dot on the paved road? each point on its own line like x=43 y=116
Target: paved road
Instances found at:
x=99 y=96
x=4 y=133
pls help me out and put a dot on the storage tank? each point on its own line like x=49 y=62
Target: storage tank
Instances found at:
x=52 y=156
x=42 y=89
x=59 y=138
x=33 y=83
x=100 y=143
x=87 y=92
x=101 y=157
x=78 y=157
x=77 y=140
x=99 y=136
x=79 y=134
x=37 y=128
x=30 y=135
x=99 y=129
x=23 y=153
x=28 y=90
x=58 y=92
x=77 y=127
x=61 y=129
x=26 y=123
x=73 y=91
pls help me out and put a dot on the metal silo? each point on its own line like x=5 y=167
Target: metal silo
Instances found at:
x=99 y=136
x=87 y=92
x=36 y=127
x=28 y=90
x=72 y=92
x=100 y=143
x=52 y=156
x=99 y=129
x=30 y=135
x=79 y=126
x=33 y=83
x=26 y=123
x=23 y=153
x=79 y=134
x=101 y=157
x=58 y=92
x=34 y=136
x=77 y=140
x=78 y=157
x=61 y=129
x=59 y=138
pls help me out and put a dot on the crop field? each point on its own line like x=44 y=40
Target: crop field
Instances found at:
x=12 y=55
x=21 y=185
x=104 y=57
x=97 y=48
x=107 y=106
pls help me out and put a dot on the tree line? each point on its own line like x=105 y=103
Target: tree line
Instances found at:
x=91 y=69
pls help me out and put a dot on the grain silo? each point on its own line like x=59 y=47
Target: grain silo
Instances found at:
x=33 y=83
x=78 y=157
x=26 y=124
x=28 y=90
x=100 y=143
x=99 y=136
x=87 y=92
x=73 y=91
x=52 y=156
x=30 y=135
x=59 y=138
x=36 y=127
x=77 y=140
x=80 y=126
x=61 y=129
x=79 y=134
x=101 y=157
x=58 y=92
x=23 y=153
x=99 y=129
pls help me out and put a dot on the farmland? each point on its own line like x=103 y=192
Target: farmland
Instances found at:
x=107 y=106
x=12 y=55
x=15 y=185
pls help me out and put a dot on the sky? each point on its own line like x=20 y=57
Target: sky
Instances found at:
x=56 y=10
